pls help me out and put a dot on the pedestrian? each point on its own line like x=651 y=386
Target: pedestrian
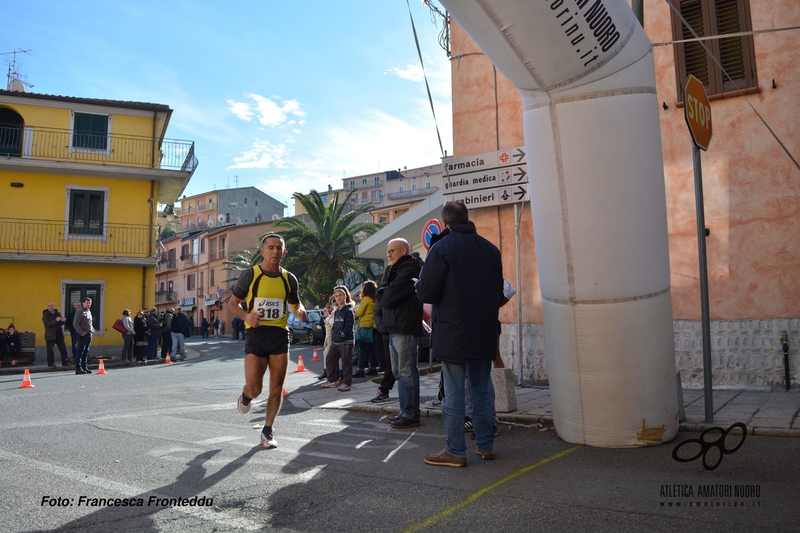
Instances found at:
x=140 y=336
x=216 y=324
x=235 y=328
x=127 y=338
x=341 y=348
x=204 y=327
x=180 y=327
x=54 y=335
x=463 y=279
x=266 y=290
x=387 y=383
x=166 y=333
x=74 y=336
x=154 y=334
x=12 y=344
x=368 y=361
x=83 y=327
x=402 y=320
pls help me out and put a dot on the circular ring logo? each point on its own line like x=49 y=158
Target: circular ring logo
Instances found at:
x=708 y=445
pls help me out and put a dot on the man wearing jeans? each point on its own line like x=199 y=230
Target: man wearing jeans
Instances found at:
x=463 y=279
x=402 y=321
x=180 y=325
x=83 y=327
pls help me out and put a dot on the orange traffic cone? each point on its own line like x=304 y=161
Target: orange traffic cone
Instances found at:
x=26 y=381
x=300 y=366
x=102 y=368
x=167 y=361
x=316 y=357
x=285 y=393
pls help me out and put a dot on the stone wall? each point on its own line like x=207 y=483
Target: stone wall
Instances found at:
x=745 y=354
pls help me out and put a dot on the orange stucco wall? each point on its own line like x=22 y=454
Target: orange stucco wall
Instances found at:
x=751 y=187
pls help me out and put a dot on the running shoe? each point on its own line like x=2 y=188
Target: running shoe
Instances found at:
x=268 y=440
x=243 y=408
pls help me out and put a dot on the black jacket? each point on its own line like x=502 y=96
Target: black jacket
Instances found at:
x=402 y=311
x=343 y=325
x=463 y=279
x=181 y=324
x=53 y=329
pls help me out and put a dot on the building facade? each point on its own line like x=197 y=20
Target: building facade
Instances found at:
x=82 y=180
x=751 y=188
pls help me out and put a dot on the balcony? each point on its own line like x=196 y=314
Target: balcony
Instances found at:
x=206 y=207
x=167 y=265
x=55 y=240
x=112 y=149
x=166 y=297
x=412 y=194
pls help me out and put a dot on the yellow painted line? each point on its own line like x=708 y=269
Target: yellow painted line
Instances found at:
x=481 y=493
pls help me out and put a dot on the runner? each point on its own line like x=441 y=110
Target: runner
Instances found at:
x=266 y=290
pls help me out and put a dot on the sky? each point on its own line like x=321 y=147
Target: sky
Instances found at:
x=282 y=96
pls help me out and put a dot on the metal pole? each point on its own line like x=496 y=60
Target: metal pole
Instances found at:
x=704 y=316
x=518 y=279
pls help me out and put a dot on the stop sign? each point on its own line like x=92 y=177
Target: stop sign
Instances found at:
x=697 y=112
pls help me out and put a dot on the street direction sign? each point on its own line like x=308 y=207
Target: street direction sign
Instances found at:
x=491 y=178
x=697 y=112
x=432 y=227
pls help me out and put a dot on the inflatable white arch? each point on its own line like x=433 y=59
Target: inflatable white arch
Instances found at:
x=585 y=71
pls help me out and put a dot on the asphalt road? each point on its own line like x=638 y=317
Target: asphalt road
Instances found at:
x=168 y=439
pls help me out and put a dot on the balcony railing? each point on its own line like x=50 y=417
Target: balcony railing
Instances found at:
x=110 y=149
x=166 y=297
x=169 y=264
x=411 y=194
x=53 y=237
x=206 y=207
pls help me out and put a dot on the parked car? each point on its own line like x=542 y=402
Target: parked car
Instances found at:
x=311 y=331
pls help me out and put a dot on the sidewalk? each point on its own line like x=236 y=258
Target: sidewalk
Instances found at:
x=770 y=413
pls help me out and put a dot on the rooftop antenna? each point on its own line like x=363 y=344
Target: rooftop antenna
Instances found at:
x=236 y=180
x=15 y=81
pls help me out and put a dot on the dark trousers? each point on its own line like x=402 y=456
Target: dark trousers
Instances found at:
x=75 y=338
x=166 y=343
x=84 y=341
x=58 y=341
x=152 y=346
x=387 y=383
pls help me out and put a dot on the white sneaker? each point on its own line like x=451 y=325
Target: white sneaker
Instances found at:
x=433 y=404
x=268 y=440
x=244 y=409
x=344 y=388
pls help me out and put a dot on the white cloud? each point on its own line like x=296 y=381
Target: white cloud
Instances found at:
x=262 y=154
x=411 y=72
x=269 y=111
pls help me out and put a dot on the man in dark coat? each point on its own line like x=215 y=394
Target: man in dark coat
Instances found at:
x=402 y=321
x=54 y=335
x=463 y=279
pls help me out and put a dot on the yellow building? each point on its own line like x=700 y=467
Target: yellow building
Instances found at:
x=81 y=180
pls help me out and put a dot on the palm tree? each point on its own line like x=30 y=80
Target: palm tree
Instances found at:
x=321 y=253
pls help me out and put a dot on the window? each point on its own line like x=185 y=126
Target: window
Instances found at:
x=86 y=211
x=76 y=292
x=364 y=197
x=376 y=195
x=413 y=186
x=377 y=180
x=364 y=181
x=202 y=246
x=427 y=184
x=352 y=184
x=400 y=189
x=383 y=220
x=202 y=280
x=212 y=249
x=222 y=243
x=324 y=198
x=735 y=54
x=90 y=131
x=211 y=278
x=190 y=282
